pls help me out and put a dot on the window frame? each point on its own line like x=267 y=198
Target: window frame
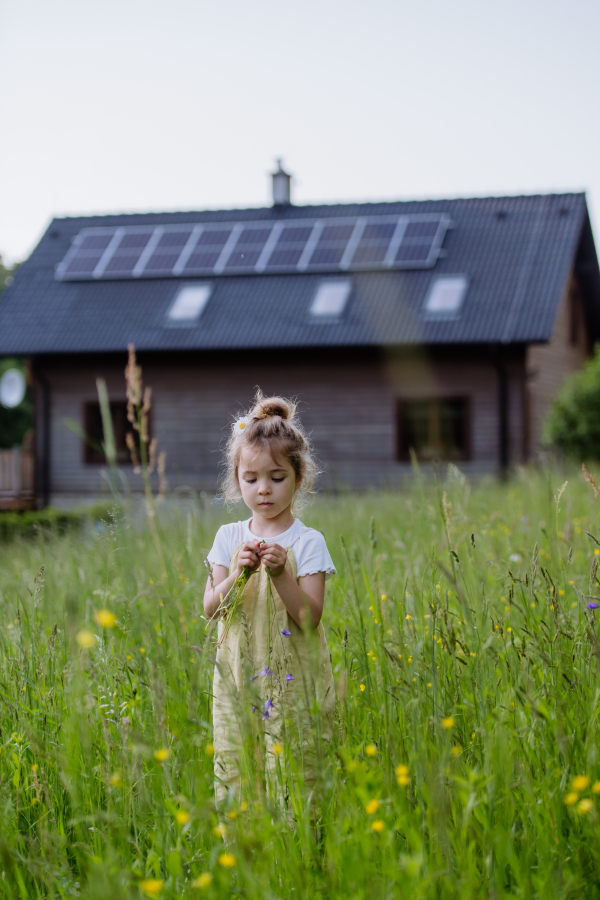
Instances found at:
x=90 y=456
x=403 y=454
x=445 y=314
x=191 y=322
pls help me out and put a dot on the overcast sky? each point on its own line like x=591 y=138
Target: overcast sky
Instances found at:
x=136 y=105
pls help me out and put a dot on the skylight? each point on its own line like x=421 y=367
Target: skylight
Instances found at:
x=446 y=295
x=188 y=304
x=331 y=298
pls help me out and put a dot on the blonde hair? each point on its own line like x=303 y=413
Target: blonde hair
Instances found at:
x=272 y=425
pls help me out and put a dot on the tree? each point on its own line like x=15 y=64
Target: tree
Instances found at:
x=14 y=423
x=573 y=425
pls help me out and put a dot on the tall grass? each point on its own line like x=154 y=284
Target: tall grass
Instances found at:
x=465 y=762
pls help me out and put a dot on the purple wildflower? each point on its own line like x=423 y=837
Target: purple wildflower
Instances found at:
x=592 y=605
x=285 y=632
x=268 y=706
x=253 y=709
x=289 y=677
x=254 y=677
x=266 y=671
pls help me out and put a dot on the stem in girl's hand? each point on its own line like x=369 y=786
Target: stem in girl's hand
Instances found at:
x=231 y=601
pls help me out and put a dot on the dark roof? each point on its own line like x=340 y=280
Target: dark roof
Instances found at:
x=517 y=253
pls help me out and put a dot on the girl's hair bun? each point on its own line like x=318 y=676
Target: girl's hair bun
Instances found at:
x=267 y=407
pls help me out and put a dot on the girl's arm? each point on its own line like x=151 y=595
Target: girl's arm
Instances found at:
x=304 y=599
x=248 y=556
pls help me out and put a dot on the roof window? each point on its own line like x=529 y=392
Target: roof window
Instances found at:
x=446 y=295
x=330 y=299
x=189 y=303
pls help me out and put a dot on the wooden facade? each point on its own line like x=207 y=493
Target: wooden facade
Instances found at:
x=348 y=401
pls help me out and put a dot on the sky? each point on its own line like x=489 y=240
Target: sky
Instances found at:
x=140 y=105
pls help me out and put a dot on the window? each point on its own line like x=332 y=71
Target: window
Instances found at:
x=189 y=303
x=434 y=429
x=330 y=300
x=92 y=452
x=446 y=295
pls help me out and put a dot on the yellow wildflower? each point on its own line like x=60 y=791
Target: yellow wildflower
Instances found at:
x=227 y=860
x=378 y=825
x=209 y=750
x=85 y=639
x=151 y=886
x=372 y=807
x=371 y=750
x=586 y=805
x=220 y=830
x=580 y=783
x=277 y=749
x=116 y=779
x=162 y=755
x=202 y=881
x=596 y=787
x=456 y=751
x=362 y=687
x=142 y=650
x=384 y=596
x=448 y=723
x=105 y=618
x=571 y=799
x=182 y=816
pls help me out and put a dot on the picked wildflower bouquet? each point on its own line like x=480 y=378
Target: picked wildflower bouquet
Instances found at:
x=231 y=601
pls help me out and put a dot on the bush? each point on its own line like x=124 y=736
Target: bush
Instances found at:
x=573 y=425
x=55 y=521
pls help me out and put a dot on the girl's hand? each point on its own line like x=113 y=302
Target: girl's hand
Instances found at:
x=273 y=557
x=248 y=556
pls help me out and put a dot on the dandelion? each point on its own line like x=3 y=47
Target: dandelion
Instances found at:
x=571 y=799
x=209 y=750
x=592 y=605
x=162 y=755
x=227 y=860
x=85 y=639
x=105 y=618
x=277 y=749
x=202 y=881
x=580 y=783
x=182 y=817
x=585 y=806
x=448 y=723
x=151 y=886
x=371 y=750
x=285 y=632
x=378 y=826
x=362 y=687
x=220 y=830
x=372 y=807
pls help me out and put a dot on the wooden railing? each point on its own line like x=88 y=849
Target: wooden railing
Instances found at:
x=16 y=478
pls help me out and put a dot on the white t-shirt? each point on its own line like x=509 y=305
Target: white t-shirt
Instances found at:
x=309 y=546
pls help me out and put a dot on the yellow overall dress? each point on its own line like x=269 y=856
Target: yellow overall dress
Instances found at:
x=270 y=689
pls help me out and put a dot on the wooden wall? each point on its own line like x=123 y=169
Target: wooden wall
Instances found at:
x=348 y=403
x=549 y=364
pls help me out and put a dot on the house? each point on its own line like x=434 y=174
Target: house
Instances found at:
x=440 y=327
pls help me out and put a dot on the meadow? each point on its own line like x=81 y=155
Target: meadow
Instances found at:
x=465 y=762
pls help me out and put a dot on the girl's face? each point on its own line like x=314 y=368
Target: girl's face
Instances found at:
x=267 y=486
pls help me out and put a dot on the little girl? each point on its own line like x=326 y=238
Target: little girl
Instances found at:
x=273 y=668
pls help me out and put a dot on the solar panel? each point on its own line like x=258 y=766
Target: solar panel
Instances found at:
x=334 y=244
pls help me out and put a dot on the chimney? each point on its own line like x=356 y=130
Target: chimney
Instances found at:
x=281 y=186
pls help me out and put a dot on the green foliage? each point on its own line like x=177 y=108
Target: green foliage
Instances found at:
x=466 y=760
x=48 y=522
x=15 y=423
x=7 y=274
x=573 y=425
